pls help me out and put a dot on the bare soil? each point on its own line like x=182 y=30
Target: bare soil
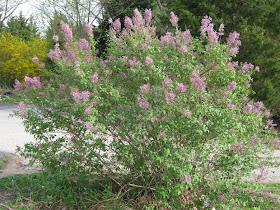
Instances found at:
x=13 y=164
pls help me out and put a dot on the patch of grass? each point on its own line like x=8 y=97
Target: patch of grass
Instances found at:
x=273 y=188
x=5 y=89
x=53 y=191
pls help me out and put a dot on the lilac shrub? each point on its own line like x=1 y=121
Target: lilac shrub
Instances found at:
x=168 y=116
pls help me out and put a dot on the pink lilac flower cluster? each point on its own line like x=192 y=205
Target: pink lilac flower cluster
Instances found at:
x=187 y=37
x=253 y=141
x=247 y=66
x=69 y=57
x=67 y=31
x=207 y=26
x=181 y=88
x=174 y=19
x=128 y=22
x=148 y=61
x=267 y=114
x=221 y=30
x=197 y=82
x=204 y=25
x=265 y=194
x=182 y=50
x=88 y=110
x=167 y=39
x=83 y=44
x=80 y=95
x=167 y=82
x=18 y=85
x=133 y=63
x=232 y=86
x=35 y=59
x=256 y=107
x=142 y=103
x=136 y=23
x=232 y=65
x=117 y=25
x=42 y=65
x=148 y=16
x=85 y=95
x=22 y=108
x=238 y=148
x=169 y=97
x=153 y=119
x=233 y=43
x=90 y=128
x=54 y=55
x=76 y=95
x=187 y=178
x=32 y=82
x=271 y=123
x=55 y=38
x=94 y=78
x=230 y=106
x=145 y=88
x=89 y=30
x=138 y=19
x=102 y=63
x=221 y=197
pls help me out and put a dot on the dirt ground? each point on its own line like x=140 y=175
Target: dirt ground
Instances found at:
x=13 y=164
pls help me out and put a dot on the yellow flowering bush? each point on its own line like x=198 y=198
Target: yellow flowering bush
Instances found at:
x=16 y=58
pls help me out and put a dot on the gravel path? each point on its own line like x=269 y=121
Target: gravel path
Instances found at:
x=12 y=133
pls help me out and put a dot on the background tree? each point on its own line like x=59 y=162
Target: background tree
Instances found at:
x=8 y=7
x=258 y=23
x=78 y=13
x=22 y=27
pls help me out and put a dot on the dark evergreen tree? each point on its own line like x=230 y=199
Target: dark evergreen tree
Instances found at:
x=24 y=28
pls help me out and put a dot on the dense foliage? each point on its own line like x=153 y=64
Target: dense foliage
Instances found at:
x=167 y=120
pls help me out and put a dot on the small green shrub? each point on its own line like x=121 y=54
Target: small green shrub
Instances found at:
x=167 y=120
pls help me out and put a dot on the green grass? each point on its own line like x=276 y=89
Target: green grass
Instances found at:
x=49 y=191
x=4 y=88
x=273 y=188
x=53 y=191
